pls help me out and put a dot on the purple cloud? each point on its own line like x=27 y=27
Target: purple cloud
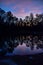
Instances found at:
x=22 y=8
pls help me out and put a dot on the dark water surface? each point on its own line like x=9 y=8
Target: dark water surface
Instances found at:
x=23 y=48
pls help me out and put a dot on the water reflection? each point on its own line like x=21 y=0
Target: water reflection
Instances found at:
x=22 y=45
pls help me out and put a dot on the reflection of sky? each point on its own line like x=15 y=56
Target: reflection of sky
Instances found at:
x=23 y=50
x=22 y=8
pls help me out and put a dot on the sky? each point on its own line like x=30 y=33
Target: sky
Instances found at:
x=22 y=8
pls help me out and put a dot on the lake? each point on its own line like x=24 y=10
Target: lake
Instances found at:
x=27 y=48
x=22 y=45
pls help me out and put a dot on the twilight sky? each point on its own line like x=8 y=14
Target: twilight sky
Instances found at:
x=21 y=8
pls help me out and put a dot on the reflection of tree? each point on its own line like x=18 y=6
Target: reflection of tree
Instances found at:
x=39 y=44
x=35 y=39
x=10 y=46
x=16 y=44
x=30 y=41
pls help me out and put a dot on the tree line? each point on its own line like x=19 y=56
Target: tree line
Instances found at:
x=8 y=18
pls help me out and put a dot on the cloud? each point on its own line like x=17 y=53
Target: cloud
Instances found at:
x=21 y=8
x=15 y=2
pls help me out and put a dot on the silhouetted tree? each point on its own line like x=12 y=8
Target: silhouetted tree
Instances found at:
x=31 y=18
